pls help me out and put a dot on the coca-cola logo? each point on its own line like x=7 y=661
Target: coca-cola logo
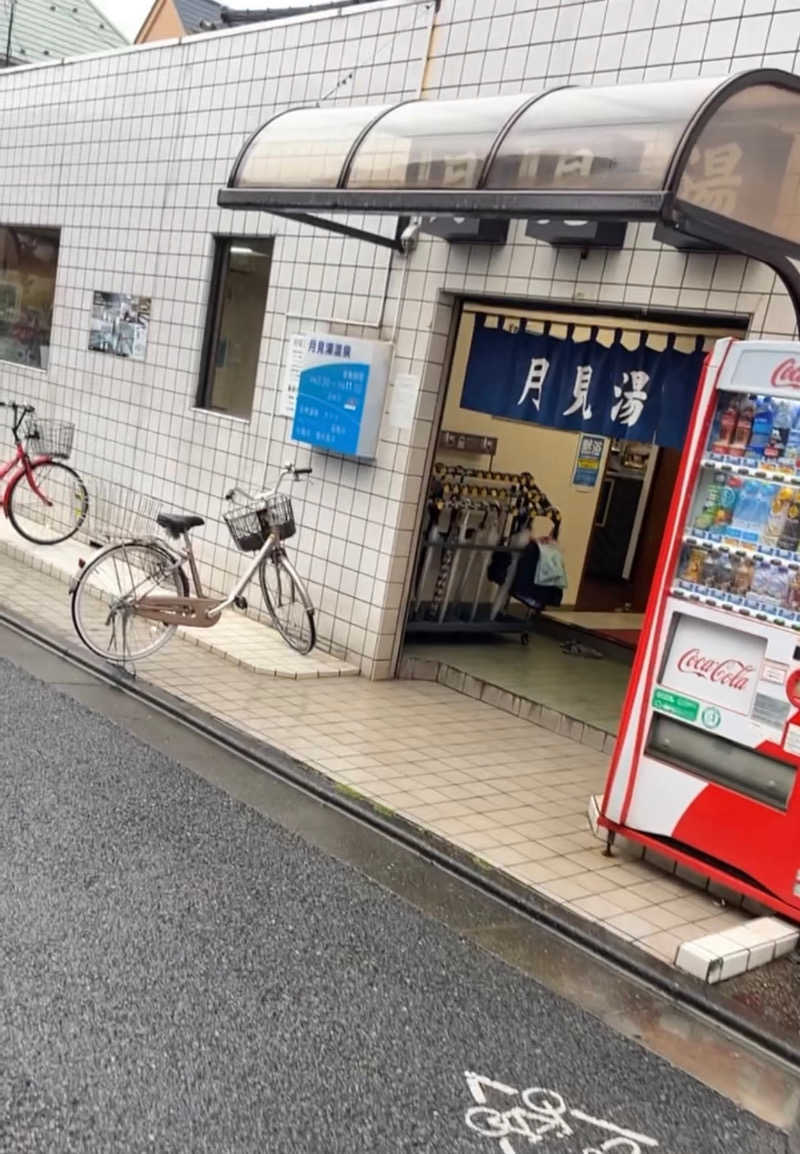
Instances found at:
x=731 y=672
x=787 y=373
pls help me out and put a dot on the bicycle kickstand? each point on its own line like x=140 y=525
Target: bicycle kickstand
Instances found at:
x=128 y=671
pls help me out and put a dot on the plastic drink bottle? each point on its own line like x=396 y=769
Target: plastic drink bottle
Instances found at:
x=723 y=573
x=765 y=498
x=777 y=584
x=709 y=571
x=759 y=584
x=763 y=420
x=744 y=508
x=777 y=516
x=793 y=440
x=694 y=565
x=784 y=414
x=790 y=534
x=726 y=423
x=744 y=425
x=706 y=517
x=729 y=497
x=793 y=592
x=742 y=576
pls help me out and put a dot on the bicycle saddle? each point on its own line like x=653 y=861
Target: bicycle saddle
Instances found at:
x=177 y=523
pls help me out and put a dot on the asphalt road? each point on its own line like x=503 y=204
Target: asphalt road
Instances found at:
x=180 y=974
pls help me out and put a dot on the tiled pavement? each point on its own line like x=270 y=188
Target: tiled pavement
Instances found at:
x=236 y=638
x=589 y=690
x=511 y=792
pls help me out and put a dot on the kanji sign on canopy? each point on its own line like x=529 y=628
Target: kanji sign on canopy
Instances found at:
x=638 y=393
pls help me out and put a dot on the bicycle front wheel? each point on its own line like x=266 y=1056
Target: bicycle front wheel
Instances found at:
x=49 y=506
x=287 y=601
x=104 y=600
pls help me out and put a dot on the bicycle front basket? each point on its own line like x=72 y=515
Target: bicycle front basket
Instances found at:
x=251 y=525
x=50 y=438
x=247 y=530
x=280 y=515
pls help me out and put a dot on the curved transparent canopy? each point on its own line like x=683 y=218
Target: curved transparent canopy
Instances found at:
x=432 y=144
x=724 y=150
x=745 y=163
x=303 y=148
x=599 y=139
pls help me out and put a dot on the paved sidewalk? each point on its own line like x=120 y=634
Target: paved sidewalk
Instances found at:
x=510 y=792
x=236 y=638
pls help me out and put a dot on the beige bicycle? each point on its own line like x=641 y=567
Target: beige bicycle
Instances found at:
x=128 y=601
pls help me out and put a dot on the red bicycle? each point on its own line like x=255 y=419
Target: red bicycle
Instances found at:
x=45 y=500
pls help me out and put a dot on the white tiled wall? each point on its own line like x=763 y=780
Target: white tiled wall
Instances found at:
x=126 y=152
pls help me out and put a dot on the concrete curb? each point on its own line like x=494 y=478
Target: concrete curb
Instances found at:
x=587 y=935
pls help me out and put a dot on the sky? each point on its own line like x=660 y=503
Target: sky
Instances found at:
x=128 y=15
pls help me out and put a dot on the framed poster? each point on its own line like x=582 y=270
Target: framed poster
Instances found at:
x=119 y=325
x=587 y=460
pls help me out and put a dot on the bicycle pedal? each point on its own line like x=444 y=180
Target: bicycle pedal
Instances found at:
x=240 y=602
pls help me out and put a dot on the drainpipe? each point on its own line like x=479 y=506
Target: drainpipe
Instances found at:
x=423 y=77
x=377 y=325
x=11 y=11
x=404 y=222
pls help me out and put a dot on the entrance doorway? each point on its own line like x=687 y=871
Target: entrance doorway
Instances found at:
x=621 y=554
x=509 y=493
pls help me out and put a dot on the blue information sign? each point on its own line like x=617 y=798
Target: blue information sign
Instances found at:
x=330 y=405
x=340 y=394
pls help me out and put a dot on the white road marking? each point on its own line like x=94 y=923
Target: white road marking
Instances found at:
x=477 y=1082
x=601 y=1124
x=542 y=1117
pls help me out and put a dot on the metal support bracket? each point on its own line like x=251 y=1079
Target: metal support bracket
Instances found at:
x=737 y=238
x=395 y=243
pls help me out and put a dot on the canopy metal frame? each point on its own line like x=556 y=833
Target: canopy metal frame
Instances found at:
x=311 y=205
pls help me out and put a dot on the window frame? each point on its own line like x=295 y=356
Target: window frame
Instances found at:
x=51 y=232
x=220 y=270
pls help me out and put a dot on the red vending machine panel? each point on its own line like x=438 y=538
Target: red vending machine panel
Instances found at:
x=705 y=765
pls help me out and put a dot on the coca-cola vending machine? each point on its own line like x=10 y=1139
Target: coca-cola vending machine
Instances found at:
x=706 y=763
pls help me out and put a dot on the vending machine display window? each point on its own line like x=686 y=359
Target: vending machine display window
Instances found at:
x=741 y=544
x=705 y=766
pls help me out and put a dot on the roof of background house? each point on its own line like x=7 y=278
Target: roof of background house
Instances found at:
x=198 y=15
x=277 y=12
x=50 y=29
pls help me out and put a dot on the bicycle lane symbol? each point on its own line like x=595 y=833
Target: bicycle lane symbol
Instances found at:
x=518 y=1119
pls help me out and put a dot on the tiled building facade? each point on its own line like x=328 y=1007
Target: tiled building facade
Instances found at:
x=125 y=153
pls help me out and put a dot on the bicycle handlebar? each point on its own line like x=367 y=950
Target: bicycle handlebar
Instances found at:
x=288 y=470
x=17 y=406
x=20 y=413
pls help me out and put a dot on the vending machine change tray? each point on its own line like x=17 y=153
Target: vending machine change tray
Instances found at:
x=717 y=759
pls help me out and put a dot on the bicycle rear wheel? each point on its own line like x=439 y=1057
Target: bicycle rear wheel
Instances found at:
x=53 y=513
x=103 y=601
x=287 y=601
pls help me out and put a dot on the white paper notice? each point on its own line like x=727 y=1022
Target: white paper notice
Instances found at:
x=403 y=401
x=291 y=375
x=774 y=671
x=792 y=741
